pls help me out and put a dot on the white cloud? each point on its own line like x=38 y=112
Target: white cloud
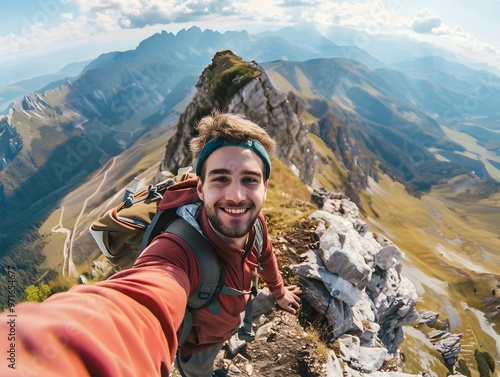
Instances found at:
x=106 y=23
x=298 y=3
x=425 y=22
x=13 y=43
x=67 y=16
x=370 y=16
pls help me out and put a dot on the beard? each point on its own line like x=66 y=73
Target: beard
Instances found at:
x=236 y=228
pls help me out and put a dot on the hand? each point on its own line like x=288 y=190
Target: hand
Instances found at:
x=290 y=301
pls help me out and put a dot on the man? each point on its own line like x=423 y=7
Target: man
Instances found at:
x=128 y=325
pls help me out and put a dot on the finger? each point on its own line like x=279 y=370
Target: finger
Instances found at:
x=297 y=298
x=295 y=289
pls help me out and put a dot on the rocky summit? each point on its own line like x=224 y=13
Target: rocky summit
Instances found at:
x=355 y=278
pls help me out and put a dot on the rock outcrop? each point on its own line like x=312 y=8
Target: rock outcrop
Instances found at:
x=354 y=278
x=447 y=344
x=268 y=107
x=258 y=100
x=11 y=142
x=443 y=341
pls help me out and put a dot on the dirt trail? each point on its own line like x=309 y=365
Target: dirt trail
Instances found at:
x=68 y=266
x=281 y=348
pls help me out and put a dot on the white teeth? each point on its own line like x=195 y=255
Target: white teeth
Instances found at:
x=235 y=211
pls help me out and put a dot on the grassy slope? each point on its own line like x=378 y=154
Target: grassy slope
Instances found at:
x=451 y=250
x=87 y=202
x=475 y=150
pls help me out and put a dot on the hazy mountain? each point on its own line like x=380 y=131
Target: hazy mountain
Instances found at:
x=16 y=91
x=190 y=50
x=396 y=118
x=457 y=77
x=388 y=48
x=320 y=46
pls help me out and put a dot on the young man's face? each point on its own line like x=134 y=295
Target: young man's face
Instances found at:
x=233 y=191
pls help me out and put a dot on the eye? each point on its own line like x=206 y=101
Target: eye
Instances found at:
x=221 y=179
x=250 y=180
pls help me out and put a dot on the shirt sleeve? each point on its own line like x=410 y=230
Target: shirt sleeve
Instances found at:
x=124 y=326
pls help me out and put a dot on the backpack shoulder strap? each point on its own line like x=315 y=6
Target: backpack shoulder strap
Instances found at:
x=246 y=332
x=212 y=275
x=259 y=241
x=211 y=279
x=160 y=221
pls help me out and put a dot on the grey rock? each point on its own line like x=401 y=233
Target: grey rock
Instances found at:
x=427 y=317
x=436 y=334
x=339 y=247
x=82 y=280
x=364 y=359
x=388 y=256
x=356 y=273
x=338 y=313
x=234 y=345
x=336 y=286
x=449 y=346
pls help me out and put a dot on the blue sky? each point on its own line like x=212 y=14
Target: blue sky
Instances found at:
x=47 y=34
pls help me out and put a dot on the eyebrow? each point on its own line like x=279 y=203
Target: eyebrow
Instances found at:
x=219 y=171
x=227 y=171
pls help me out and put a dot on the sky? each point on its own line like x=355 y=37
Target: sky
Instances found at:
x=45 y=35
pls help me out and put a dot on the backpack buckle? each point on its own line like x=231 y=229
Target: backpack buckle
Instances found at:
x=153 y=193
x=253 y=290
x=243 y=334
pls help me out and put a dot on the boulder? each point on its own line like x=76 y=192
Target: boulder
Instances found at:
x=449 y=346
x=427 y=317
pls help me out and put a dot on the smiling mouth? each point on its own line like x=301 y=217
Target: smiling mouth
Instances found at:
x=235 y=211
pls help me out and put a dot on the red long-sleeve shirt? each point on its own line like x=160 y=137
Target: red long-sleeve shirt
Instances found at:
x=239 y=265
x=126 y=325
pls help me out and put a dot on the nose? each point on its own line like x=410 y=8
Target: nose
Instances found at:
x=235 y=192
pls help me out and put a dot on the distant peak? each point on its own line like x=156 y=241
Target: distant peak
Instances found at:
x=191 y=30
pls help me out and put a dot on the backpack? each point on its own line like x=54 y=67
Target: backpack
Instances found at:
x=123 y=233
x=119 y=233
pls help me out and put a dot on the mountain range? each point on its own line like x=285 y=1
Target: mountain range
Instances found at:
x=427 y=123
x=397 y=116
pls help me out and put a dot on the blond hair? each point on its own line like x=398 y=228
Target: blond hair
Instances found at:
x=231 y=127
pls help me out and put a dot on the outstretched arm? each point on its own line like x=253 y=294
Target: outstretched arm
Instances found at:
x=125 y=326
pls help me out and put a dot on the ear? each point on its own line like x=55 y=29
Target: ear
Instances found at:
x=199 y=189
x=266 y=185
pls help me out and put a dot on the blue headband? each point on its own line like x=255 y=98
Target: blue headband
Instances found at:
x=251 y=144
